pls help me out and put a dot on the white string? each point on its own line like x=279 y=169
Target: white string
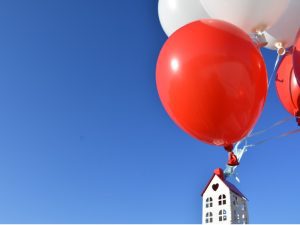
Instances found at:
x=239 y=152
x=230 y=170
x=285 y=134
x=274 y=70
x=278 y=123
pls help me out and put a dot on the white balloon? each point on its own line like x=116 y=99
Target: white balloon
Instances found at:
x=174 y=14
x=284 y=31
x=250 y=15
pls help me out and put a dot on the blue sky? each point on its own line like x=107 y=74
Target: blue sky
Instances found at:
x=85 y=139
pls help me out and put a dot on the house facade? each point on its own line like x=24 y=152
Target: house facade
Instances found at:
x=222 y=202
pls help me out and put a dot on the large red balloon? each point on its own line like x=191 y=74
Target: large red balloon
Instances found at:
x=287 y=86
x=296 y=57
x=212 y=81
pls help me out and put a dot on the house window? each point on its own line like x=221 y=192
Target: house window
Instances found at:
x=209 y=217
x=244 y=219
x=238 y=216
x=222 y=199
x=243 y=207
x=209 y=202
x=222 y=215
x=235 y=214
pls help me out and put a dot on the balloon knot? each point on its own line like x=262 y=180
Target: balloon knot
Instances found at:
x=280 y=48
x=229 y=148
x=297 y=115
x=298 y=121
x=259 y=39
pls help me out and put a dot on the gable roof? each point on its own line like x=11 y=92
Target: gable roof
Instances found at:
x=234 y=189
x=219 y=172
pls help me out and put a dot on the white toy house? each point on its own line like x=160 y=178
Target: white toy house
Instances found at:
x=223 y=203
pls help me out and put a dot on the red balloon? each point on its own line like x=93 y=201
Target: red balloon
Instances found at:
x=287 y=86
x=212 y=81
x=296 y=57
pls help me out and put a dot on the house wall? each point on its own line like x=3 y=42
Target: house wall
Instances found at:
x=239 y=209
x=222 y=189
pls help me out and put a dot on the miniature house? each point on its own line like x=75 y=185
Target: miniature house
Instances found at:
x=223 y=203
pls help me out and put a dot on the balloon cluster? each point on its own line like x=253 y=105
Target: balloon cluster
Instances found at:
x=210 y=74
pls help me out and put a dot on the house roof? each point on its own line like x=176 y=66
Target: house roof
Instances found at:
x=234 y=189
x=219 y=172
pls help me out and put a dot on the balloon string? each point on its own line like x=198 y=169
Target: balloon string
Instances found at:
x=230 y=170
x=274 y=69
x=269 y=83
x=285 y=134
x=239 y=152
x=278 y=123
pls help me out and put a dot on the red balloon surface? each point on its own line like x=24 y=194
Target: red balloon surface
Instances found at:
x=287 y=86
x=296 y=57
x=212 y=81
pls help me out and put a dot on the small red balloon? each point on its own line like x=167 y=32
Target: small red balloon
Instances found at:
x=212 y=81
x=287 y=86
x=296 y=57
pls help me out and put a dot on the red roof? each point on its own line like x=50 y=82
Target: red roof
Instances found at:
x=219 y=172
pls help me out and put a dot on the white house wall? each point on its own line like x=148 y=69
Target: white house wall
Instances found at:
x=222 y=189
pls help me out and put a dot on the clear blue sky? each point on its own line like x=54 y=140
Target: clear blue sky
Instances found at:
x=84 y=137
